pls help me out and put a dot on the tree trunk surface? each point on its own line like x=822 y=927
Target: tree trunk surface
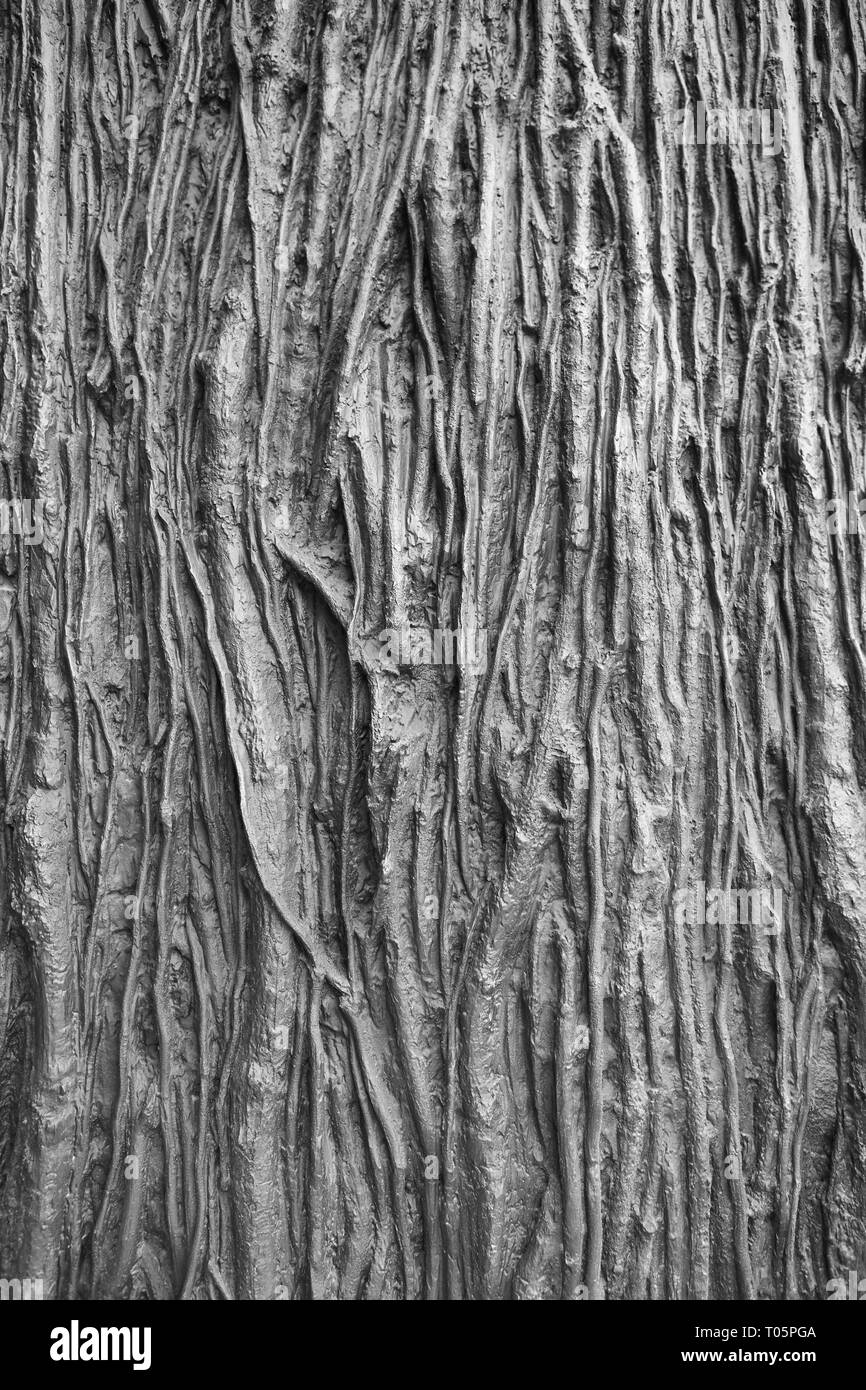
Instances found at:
x=433 y=648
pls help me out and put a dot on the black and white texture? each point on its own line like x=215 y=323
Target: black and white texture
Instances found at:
x=432 y=648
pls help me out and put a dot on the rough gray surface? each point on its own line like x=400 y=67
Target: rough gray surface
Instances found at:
x=333 y=966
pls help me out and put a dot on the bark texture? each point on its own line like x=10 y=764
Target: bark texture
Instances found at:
x=325 y=974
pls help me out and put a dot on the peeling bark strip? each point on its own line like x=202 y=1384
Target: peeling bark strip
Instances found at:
x=335 y=963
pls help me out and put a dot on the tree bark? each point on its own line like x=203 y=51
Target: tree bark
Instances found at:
x=336 y=963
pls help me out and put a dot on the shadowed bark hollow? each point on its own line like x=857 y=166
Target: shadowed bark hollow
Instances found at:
x=434 y=855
